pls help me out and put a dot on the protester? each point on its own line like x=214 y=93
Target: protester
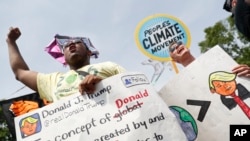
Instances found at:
x=57 y=85
x=240 y=10
x=182 y=55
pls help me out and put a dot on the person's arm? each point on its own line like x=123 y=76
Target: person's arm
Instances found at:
x=88 y=84
x=17 y=63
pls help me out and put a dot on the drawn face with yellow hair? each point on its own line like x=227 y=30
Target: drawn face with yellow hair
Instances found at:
x=222 y=83
x=29 y=125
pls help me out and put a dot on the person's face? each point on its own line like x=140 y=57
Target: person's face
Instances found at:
x=29 y=128
x=224 y=88
x=179 y=53
x=75 y=50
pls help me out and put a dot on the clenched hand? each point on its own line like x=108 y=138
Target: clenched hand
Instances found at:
x=13 y=35
x=88 y=84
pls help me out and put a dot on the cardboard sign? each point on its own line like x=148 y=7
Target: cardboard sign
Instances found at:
x=155 y=33
x=207 y=98
x=124 y=107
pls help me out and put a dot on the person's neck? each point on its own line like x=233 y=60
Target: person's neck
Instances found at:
x=188 y=61
x=78 y=66
x=75 y=68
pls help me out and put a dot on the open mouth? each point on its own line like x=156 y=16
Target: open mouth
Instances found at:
x=179 y=51
x=72 y=48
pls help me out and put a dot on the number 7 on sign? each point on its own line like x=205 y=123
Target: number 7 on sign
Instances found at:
x=204 y=107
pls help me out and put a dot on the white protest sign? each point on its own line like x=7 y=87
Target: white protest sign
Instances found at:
x=124 y=107
x=207 y=116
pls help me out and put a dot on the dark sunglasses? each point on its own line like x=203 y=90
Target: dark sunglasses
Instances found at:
x=71 y=41
x=174 y=46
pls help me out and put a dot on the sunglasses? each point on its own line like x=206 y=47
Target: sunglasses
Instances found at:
x=173 y=47
x=68 y=42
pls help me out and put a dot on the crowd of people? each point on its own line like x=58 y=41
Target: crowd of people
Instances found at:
x=77 y=52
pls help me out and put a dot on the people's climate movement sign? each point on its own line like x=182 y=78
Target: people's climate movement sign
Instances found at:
x=124 y=107
x=155 y=33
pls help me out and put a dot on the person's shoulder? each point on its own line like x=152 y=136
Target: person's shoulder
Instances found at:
x=111 y=66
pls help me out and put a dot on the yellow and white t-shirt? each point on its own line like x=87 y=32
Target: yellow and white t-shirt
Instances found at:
x=55 y=86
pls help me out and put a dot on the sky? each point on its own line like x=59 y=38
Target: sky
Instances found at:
x=110 y=25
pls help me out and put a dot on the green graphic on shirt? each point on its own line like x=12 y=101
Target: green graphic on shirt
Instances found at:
x=93 y=70
x=70 y=79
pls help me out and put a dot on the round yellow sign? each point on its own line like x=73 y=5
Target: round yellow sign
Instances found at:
x=155 y=33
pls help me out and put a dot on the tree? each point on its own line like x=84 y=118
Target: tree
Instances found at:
x=4 y=131
x=225 y=34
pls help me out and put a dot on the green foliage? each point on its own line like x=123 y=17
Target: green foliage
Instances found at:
x=4 y=131
x=225 y=34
